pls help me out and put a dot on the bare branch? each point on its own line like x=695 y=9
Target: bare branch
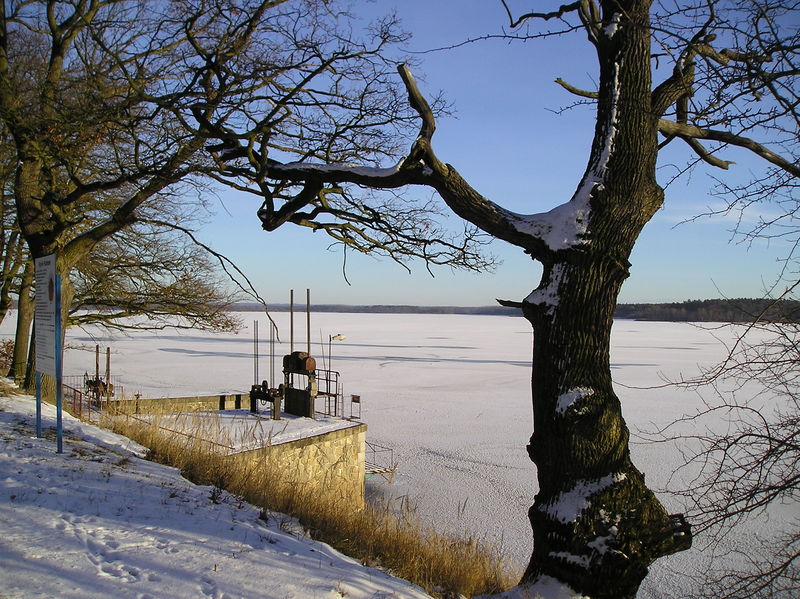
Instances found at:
x=545 y=16
x=705 y=155
x=577 y=91
x=690 y=131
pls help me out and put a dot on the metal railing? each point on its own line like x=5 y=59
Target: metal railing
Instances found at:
x=84 y=396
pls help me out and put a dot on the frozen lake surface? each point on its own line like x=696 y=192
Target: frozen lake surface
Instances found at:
x=450 y=394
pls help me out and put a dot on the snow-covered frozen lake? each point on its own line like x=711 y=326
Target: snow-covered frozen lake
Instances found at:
x=449 y=393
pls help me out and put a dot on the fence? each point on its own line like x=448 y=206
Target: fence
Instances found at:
x=84 y=395
x=380 y=460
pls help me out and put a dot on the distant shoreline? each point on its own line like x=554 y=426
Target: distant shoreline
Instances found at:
x=728 y=310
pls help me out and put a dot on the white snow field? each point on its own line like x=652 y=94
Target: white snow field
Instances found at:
x=450 y=394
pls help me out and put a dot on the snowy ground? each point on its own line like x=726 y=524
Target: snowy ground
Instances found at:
x=450 y=394
x=98 y=521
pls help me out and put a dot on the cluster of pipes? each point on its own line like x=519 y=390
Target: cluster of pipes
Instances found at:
x=299 y=402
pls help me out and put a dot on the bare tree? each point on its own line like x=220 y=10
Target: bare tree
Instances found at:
x=108 y=105
x=747 y=468
x=144 y=271
x=13 y=250
x=596 y=525
x=741 y=454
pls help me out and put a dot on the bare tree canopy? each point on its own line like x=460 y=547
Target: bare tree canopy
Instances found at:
x=103 y=113
x=144 y=271
x=107 y=107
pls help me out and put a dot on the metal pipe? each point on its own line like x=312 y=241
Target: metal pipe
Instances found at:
x=255 y=352
x=272 y=353
x=291 y=321
x=308 y=321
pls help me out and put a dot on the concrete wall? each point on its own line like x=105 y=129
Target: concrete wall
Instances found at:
x=329 y=464
x=168 y=405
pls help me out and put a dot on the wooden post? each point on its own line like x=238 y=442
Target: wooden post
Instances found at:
x=96 y=390
x=108 y=374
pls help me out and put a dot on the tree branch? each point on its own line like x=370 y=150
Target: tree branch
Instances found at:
x=545 y=16
x=577 y=91
x=671 y=128
x=704 y=154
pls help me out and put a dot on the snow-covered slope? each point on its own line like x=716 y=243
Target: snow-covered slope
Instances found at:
x=98 y=521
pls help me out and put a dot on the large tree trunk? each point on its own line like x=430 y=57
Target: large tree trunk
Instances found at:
x=29 y=382
x=595 y=523
x=13 y=262
x=596 y=526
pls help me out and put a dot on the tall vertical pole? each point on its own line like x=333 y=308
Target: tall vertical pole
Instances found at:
x=38 y=405
x=308 y=321
x=272 y=352
x=59 y=368
x=255 y=352
x=291 y=321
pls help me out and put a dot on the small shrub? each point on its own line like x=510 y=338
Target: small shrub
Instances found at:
x=6 y=355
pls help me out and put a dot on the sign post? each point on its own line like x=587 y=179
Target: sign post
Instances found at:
x=48 y=337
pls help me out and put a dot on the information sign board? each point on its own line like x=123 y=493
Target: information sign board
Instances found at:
x=46 y=315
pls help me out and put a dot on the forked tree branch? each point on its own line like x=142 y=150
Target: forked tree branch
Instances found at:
x=226 y=263
x=420 y=167
x=705 y=155
x=545 y=16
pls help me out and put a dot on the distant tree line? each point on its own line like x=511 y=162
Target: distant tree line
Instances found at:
x=383 y=309
x=712 y=310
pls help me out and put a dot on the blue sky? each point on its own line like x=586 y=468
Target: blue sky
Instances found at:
x=507 y=141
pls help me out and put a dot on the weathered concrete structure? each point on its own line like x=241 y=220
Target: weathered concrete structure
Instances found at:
x=328 y=464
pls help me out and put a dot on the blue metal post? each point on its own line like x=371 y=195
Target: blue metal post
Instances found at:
x=59 y=370
x=38 y=405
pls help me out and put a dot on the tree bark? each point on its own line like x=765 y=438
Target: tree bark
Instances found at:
x=13 y=257
x=25 y=308
x=595 y=523
x=29 y=382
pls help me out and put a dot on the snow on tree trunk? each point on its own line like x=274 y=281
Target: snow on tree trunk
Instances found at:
x=596 y=525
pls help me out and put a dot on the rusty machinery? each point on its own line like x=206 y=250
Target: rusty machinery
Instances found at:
x=262 y=393
x=299 y=400
x=296 y=400
x=302 y=379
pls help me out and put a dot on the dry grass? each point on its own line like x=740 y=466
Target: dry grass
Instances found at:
x=7 y=389
x=376 y=535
